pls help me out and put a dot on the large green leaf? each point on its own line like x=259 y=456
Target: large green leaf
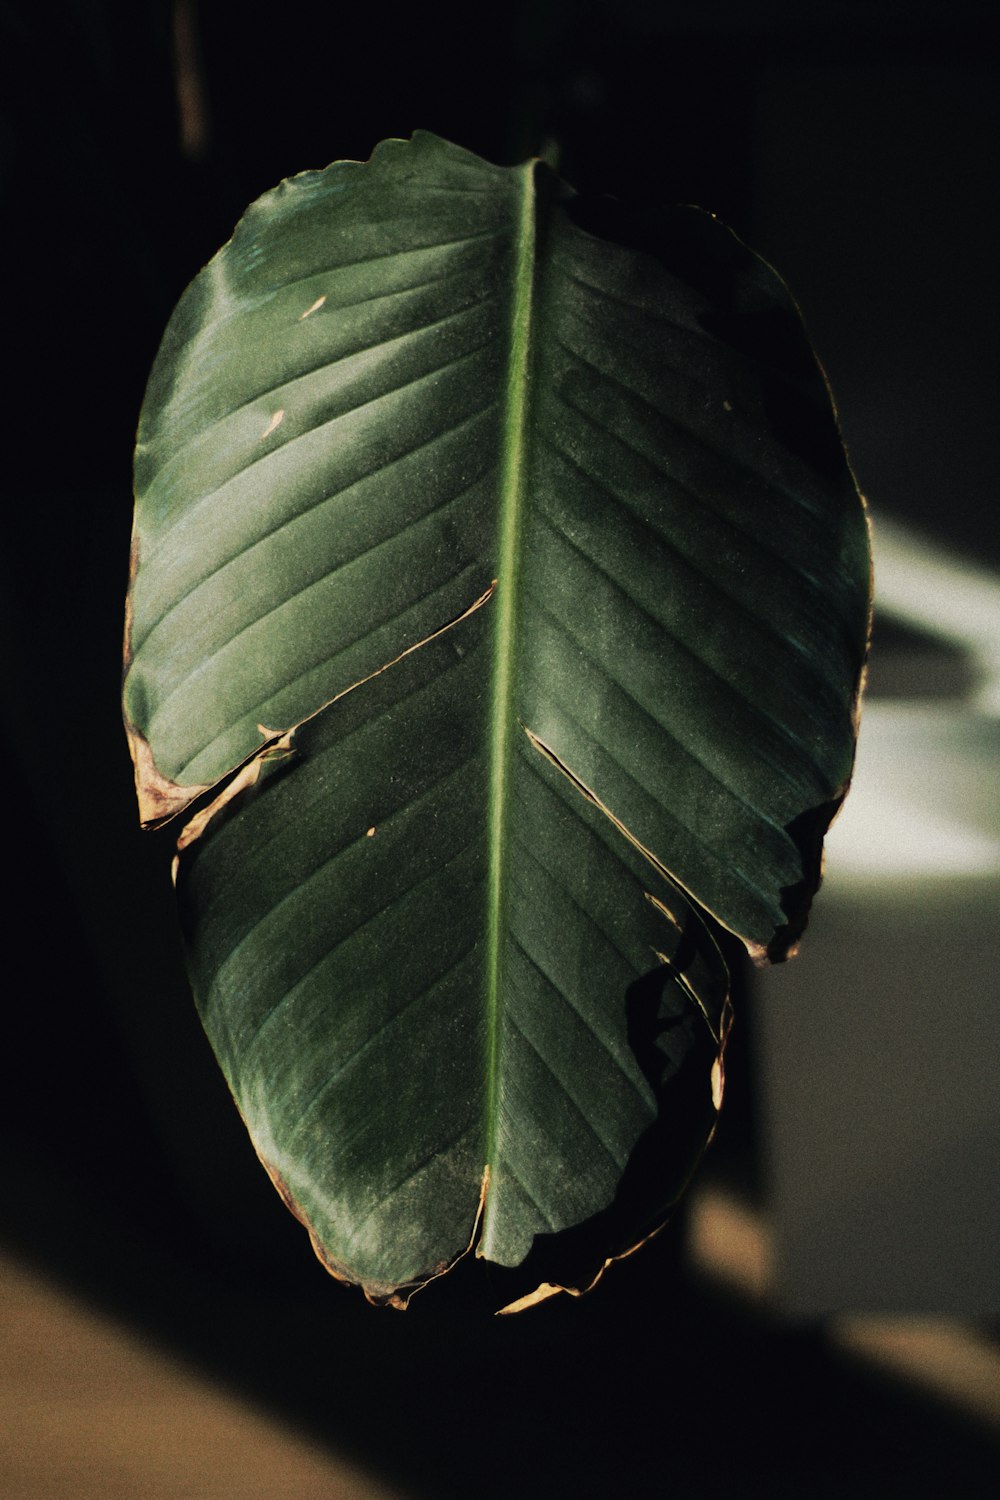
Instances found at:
x=501 y=589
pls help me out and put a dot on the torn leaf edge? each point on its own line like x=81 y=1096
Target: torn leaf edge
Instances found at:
x=757 y=951
x=160 y=800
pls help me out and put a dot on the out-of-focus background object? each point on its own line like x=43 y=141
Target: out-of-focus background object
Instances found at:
x=879 y=1047
x=854 y=1176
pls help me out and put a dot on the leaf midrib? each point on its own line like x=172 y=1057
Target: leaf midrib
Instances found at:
x=512 y=476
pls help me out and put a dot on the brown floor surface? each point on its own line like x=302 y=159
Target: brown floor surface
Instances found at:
x=90 y=1412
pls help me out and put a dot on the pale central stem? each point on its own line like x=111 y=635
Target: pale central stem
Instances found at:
x=502 y=711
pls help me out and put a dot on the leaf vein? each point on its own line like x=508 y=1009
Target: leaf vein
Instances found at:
x=784 y=492
x=342 y=1066
x=722 y=862
x=315 y=506
x=327 y=269
x=564 y=1090
x=438 y=1151
x=210 y=433
x=670 y=543
x=690 y=751
x=282 y=449
x=319 y=869
x=757 y=710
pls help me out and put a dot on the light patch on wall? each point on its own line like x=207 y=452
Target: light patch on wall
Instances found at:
x=912 y=809
x=923 y=800
x=920 y=583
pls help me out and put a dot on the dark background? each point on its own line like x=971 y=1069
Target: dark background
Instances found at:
x=854 y=145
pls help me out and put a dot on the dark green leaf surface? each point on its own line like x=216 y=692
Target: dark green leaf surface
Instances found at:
x=529 y=517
